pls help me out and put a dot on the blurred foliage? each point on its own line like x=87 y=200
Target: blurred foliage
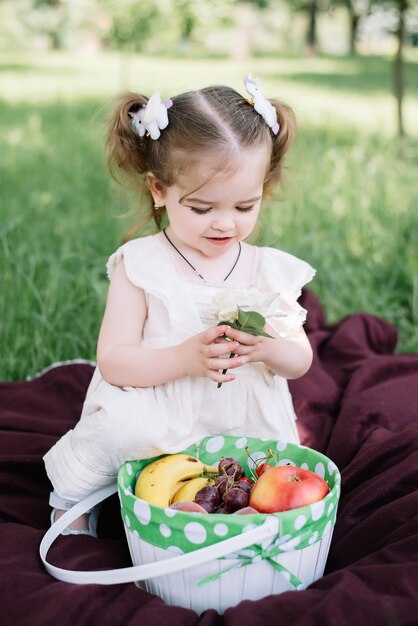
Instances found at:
x=195 y=26
x=131 y=22
x=113 y=24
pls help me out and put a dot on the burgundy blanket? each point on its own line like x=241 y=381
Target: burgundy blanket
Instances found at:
x=358 y=404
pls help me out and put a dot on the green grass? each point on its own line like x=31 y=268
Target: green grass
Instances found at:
x=348 y=205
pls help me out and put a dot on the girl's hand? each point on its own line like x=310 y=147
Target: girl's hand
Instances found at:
x=251 y=348
x=202 y=355
x=289 y=357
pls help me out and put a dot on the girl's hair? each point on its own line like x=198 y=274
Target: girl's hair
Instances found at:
x=214 y=121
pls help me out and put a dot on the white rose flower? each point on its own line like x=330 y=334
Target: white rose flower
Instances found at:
x=288 y=315
x=225 y=304
x=248 y=310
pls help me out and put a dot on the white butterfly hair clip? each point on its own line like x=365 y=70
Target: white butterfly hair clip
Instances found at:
x=151 y=117
x=261 y=104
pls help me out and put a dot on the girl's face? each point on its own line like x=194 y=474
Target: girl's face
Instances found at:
x=220 y=212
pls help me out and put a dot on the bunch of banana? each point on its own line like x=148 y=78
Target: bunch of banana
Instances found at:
x=188 y=489
x=160 y=481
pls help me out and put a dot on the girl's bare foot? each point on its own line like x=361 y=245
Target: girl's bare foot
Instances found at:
x=81 y=523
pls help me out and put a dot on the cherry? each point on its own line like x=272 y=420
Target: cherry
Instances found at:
x=263 y=467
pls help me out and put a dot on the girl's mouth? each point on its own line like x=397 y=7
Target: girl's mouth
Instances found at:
x=219 y=241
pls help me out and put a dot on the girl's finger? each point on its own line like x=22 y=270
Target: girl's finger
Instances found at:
x=217 y=349
x=222 y=339
x=218 y=377
x=210 y=335
x=242 y=337
x=243 y=349
x=221 y=364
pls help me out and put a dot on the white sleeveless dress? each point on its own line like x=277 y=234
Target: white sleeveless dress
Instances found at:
x=119 y=424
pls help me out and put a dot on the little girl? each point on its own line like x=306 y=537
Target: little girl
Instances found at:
x=205 y=158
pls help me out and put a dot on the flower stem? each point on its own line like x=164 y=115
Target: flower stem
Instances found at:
x=231 y=356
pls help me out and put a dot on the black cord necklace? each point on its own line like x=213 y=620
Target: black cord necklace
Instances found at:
x=193 y=267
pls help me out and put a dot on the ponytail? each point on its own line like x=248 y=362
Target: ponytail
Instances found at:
x=125 y=149
x=280 y=143
x=128 y=153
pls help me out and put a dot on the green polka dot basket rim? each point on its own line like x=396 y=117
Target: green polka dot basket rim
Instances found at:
x=181 y=532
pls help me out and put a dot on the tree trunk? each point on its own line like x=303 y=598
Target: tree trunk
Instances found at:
x=244 y=25
x=354 y=22
x=399 y=66
x=311 y=34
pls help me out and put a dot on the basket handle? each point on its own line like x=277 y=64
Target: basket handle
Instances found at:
x=267 y=530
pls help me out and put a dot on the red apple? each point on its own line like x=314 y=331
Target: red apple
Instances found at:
x=286 y=487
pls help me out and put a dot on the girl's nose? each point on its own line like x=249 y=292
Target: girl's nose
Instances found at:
x=224 y=222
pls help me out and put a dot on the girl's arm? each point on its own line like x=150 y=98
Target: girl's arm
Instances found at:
x=124 y=362
x=289 y=358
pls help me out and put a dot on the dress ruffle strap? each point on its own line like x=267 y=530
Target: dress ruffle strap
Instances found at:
x=284 y=274
x=149 y=266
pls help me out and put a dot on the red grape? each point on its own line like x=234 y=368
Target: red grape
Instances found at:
x=235 y=499
x=230 y=467
x=209 y=493
x=205 y=504
x=246 y=487
x=221 y=483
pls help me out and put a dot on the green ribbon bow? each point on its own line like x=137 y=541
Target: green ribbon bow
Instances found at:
x=281 y=545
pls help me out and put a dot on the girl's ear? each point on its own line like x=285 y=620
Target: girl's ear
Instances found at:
x=156 y=188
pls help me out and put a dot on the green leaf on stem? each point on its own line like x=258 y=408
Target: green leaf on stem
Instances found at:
x=248 y=322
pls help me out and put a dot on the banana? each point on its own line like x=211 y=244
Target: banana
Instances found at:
x=189 y=489
x=176 y=487
x=157 y=482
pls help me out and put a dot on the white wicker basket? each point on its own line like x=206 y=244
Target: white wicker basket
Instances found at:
x=238 y=557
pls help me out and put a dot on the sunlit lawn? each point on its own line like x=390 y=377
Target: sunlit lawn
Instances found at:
x=349 y=205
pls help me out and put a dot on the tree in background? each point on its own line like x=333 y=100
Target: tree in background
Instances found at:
x=170 y=25
x=356 y=10
x=44 y=19
x=311 y=8
x=400 y=10
x=245 y=15
x=118 y=24
x=399 y=73
x=131 y=22
x=188 y=19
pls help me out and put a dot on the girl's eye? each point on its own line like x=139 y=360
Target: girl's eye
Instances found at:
x=242 y=209
x=199 y=211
